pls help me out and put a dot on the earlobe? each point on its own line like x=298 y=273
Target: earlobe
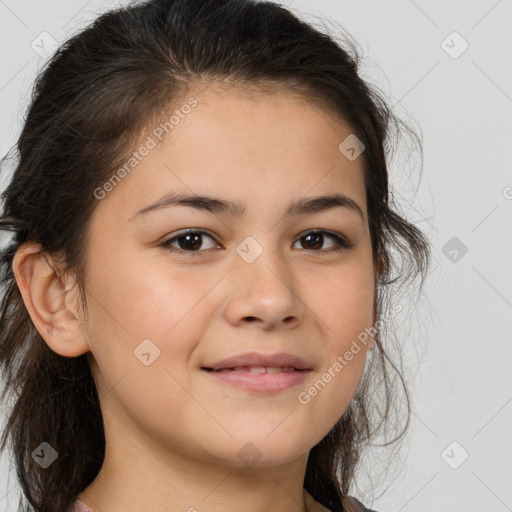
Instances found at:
x=51 y=301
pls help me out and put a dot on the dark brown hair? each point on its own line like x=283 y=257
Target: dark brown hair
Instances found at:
x=90 y=103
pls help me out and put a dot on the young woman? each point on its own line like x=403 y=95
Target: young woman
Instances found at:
x=194 y=305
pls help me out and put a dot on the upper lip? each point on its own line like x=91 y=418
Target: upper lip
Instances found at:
x=255 y=359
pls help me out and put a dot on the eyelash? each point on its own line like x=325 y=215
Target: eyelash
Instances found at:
x=342 y=242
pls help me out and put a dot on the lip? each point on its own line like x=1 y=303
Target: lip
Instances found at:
x=256 y=359
x=260 y=382
x=265 y=383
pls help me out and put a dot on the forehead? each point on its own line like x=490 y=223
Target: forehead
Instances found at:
x=254 y=146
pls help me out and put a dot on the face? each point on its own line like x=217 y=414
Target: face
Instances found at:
x=164 y=304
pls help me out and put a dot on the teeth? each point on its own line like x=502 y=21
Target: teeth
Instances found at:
x=256 y=369
x=259 y=369
x=274 y=369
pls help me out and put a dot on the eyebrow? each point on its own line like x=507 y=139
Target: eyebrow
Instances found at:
x=236 y=208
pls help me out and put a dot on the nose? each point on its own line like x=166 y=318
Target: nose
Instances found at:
x=264 y=294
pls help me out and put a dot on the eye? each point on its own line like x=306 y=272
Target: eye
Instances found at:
x=316 y=237
x=191 y=241
x=188 y=241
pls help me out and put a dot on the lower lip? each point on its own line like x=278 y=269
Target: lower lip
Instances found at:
x=261 y=382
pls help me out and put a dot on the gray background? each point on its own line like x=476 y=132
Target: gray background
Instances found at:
x=458 y=353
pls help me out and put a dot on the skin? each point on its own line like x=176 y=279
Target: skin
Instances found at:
x=173 y=432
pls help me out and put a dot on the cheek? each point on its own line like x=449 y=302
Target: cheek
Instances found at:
x=133 y=304
x=343 y=311
x=343 y=303
x=133 y=301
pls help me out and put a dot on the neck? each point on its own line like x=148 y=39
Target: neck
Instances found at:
x=134 y=477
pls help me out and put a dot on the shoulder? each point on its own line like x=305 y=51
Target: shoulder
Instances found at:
x=351 y=504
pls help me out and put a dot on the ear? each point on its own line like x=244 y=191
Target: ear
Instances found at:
x=51 y=301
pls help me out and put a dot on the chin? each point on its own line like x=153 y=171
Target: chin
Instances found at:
x=262 y=451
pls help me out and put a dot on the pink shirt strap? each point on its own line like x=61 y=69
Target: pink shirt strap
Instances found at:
x=80 y=506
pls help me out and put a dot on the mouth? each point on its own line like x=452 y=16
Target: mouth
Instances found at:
x=257 y=369
x=256 y=362
x=266 y=380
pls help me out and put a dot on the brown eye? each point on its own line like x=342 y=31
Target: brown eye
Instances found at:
x=188 y=241
x=191 y=241
x=314 y=240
